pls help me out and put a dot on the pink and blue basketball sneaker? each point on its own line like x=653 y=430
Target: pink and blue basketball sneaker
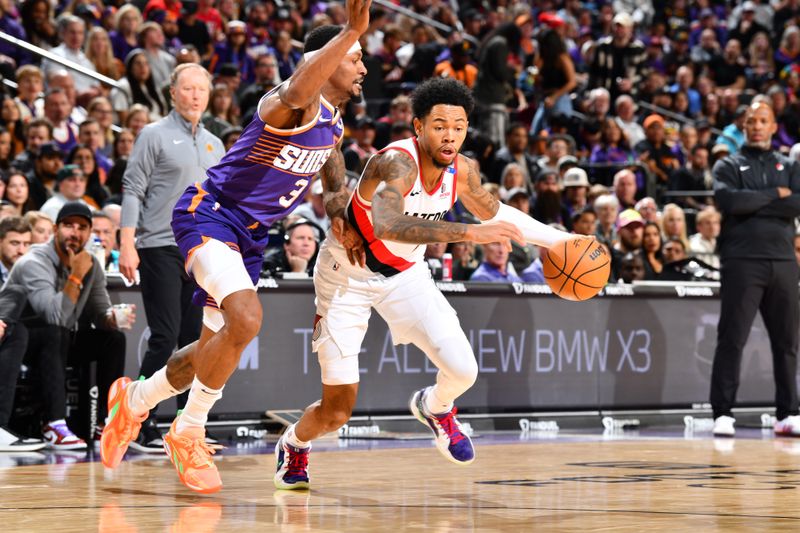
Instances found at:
x=448 y=435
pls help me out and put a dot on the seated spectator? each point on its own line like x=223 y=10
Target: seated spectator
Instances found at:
x=66 y=292
x=399 y=112
x=433 y=256
x=632 y=267
x=42 y=177
x=733 y=134
x=648 y=209
x=465 y=260
x=654 y=152
x=266 y=79
x=535 y=273
x=298 y=253
x=673 y=224
x=630 y=228
x=607 y=208
x=15 y=239
x=221 y=114
x=613 y=148
x=694 y=177
x=41 y=226
x=625 y=188
x=459 y=65
x=84 y=158
x=512 y=178
x=357 y=153
x=72 y=33
x=90 y=134
x=37 y=132
x=651 y=246
x=124 y=36
x=30 y=85
x=703 y=244
x=626 y=118
x=314 y=209
x=584 y=222
x=137 y=87
x=495 y=266
x=548 y=208
x=576 y=189
x=151 y=39
x=105 y=229
x=18 y=193
x=675 y=257
x=687 y=139
x=557 y=147
x=515 y=151
x=71 y=188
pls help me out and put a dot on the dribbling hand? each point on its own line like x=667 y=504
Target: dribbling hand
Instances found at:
x=502 y=232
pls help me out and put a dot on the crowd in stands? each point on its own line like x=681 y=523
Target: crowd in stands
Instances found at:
x=601 y=117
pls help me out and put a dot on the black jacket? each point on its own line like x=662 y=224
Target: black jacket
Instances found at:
x=756 y=223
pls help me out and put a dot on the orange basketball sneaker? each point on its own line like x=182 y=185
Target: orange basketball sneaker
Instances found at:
x=122 y=426
x=191 y=456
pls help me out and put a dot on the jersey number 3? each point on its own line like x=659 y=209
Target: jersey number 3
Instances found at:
x=287 y=201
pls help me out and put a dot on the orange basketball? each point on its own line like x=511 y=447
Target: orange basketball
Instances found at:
x=577 y=268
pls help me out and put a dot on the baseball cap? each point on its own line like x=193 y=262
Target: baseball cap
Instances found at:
x=365 y=122
x=748 y=6
x=551 y=19
x=516 y=191
x=719 y=148
x=67 y=171
x=576 y=177
x=628 y=217
x=653 y=119
x=50 y=149
x=623 y=19
x=74 y=209
x=566 y=160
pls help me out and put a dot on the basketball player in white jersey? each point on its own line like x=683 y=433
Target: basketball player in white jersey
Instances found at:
x=397 y=208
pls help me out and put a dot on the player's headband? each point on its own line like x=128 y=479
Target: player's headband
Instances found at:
x=355 y=48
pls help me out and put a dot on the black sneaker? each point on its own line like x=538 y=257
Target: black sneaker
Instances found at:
x=11 y=442
x=149 y=440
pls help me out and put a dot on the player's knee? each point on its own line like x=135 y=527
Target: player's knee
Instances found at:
x=460 y=364
x=337 y=417
x=243 y=317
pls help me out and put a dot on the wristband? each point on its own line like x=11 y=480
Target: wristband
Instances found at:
x=76 y=280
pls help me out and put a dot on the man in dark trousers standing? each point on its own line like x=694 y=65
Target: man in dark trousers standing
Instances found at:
x=758 y=192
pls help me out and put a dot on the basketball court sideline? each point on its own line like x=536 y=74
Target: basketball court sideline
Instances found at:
x=566 y=481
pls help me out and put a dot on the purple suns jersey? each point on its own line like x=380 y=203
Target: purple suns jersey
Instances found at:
x=266 y=172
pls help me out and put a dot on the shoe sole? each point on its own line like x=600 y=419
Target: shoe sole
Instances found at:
x=279 y=483
x=145 y=449
x=195 y=488
x=113 y=461
x=412 y=405
x=67 y=447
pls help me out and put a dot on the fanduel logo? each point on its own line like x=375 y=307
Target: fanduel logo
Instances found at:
x=301 y=160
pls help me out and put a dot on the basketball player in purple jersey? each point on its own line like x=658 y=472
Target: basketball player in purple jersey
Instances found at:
x=221 y=226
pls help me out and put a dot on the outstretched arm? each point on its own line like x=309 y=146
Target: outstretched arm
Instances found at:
x=486 y=207
x=301 y=93
x=394 y=173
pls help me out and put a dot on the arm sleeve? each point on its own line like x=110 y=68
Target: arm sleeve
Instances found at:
x=53 y=306
x=731 y=199
x=534 y=231
x=137 y=176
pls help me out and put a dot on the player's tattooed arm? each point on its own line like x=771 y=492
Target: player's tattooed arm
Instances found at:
x=334 y=187
x=395 y=173
x=335 y=197
x=475 y=198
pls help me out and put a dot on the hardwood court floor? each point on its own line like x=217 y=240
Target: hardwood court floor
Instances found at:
x=565 y=484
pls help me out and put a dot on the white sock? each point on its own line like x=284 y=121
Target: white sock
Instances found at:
x=291 y=438
x=201 y=400
x=145 y=395
x=434 y=404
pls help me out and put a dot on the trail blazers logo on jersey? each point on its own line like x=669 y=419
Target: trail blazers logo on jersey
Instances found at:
x=427 y=216
x=301 y=160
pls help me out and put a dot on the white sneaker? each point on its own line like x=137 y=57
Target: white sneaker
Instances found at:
x=11 y=442
x=723 y=426
x=788 y=427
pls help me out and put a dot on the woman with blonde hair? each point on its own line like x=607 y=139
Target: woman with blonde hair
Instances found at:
x=138 y=117
x=101 y=54
x=673 y=224
x=124 y=39
x=41 y=226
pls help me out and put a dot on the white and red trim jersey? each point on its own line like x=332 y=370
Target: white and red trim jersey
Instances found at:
x=390 y=257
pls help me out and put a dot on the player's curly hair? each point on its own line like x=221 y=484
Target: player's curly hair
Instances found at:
x=435 y=91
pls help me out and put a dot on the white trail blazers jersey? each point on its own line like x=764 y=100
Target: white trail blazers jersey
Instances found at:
x=390 y=257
